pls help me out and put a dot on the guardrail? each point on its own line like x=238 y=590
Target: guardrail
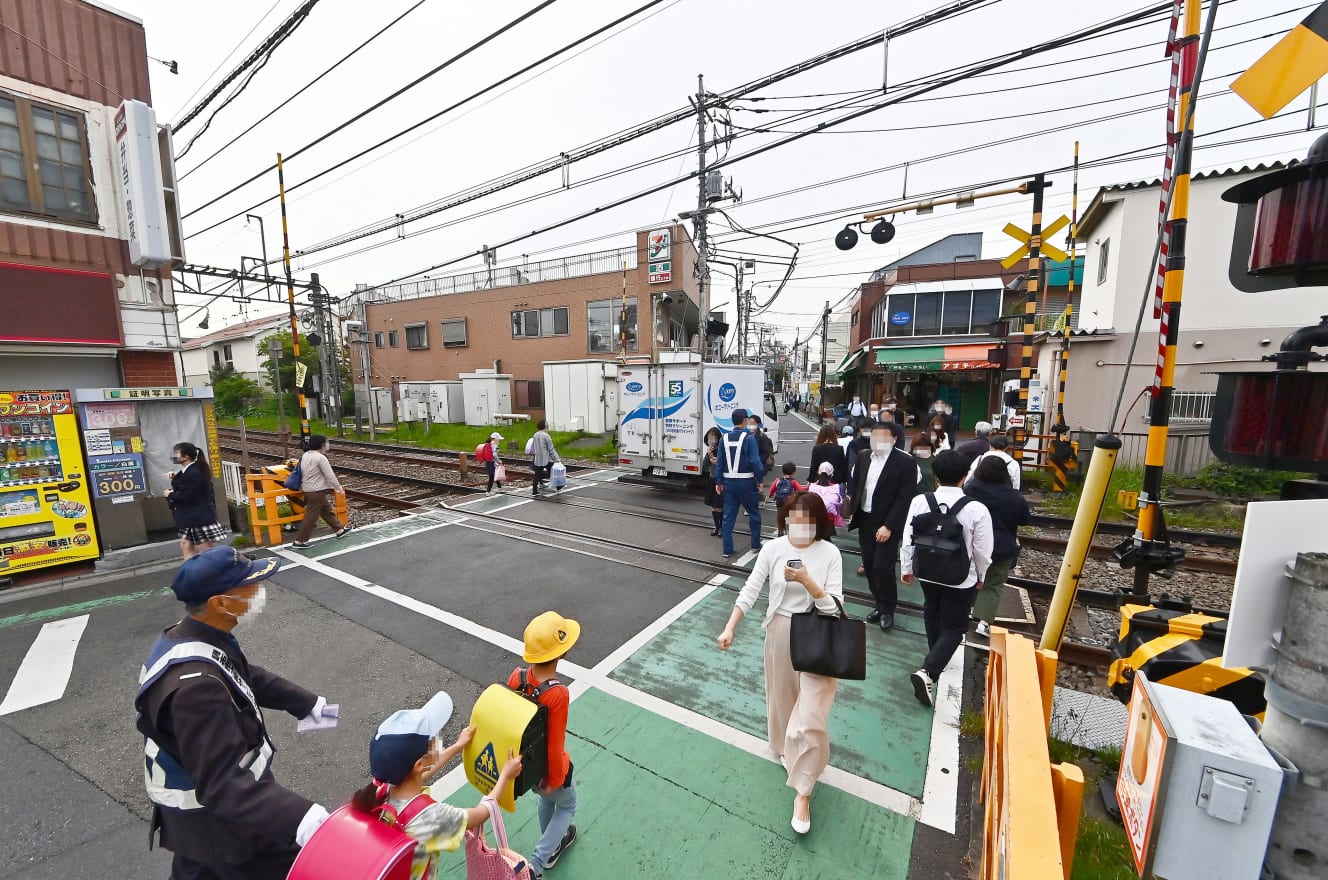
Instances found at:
x=233 y=474
x=265 y=494
x=1024 y=795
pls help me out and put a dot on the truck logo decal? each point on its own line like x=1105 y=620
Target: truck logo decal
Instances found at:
x=727 y=392
x=657 y=407
x=634 y=387
x=722 y=412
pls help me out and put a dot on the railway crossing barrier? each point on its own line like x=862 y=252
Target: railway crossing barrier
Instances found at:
x=1023 y=793
x=266 y=494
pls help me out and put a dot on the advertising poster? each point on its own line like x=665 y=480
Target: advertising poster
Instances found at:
x=659 y=254
x=115 y=475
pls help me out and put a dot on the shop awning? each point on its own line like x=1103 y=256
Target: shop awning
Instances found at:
x=935 y=358
x=848 y=362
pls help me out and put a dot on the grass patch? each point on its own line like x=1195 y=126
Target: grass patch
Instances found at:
x=1221 y=515
x=459 y=438
x=972 y=725
x=1101 y=851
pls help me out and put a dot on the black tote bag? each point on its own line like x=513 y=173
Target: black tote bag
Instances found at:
x=834 y=645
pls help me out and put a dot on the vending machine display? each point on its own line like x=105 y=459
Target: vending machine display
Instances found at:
x=45 y=511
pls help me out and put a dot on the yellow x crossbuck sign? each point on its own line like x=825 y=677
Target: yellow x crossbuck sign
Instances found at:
x=1025 y=240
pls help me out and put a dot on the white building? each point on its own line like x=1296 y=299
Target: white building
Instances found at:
x=243 y=346
x=1221 y=328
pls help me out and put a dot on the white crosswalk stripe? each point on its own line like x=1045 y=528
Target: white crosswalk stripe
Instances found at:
x=44 y=673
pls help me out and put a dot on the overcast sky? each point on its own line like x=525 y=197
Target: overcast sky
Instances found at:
x=647 y=67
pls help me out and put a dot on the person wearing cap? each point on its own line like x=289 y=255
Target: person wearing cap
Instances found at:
x=491 y=461
x=738 y=473
x=404 y=754
x=546 y=640
x=208 y=755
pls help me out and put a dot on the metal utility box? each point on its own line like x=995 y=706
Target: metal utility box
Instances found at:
x=439 y=401
x=381 y=407
x=1197 y=789
x=581 y=395
x=486 y=394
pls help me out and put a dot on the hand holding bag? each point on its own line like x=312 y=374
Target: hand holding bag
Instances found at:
x=484 y=862
x=834 y=645
x=499 y=473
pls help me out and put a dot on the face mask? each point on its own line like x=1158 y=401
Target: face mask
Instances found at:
x=866 y=434
x=883 y=447
x=175 y=459
x=255 y=607
x=751 y=428
x=875 y=413
x=802 y=533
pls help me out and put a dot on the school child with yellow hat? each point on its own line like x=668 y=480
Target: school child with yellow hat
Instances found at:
x=547 y=639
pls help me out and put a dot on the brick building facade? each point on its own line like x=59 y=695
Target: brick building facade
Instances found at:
x=515 y=319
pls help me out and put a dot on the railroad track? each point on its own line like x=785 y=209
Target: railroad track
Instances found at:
x=383 y=480
x=1183 y=536
x=1192 y=561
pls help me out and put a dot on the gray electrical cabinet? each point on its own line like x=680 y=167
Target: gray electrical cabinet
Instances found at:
x=1197 y=789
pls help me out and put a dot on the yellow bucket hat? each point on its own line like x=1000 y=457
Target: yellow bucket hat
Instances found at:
x=549 y=636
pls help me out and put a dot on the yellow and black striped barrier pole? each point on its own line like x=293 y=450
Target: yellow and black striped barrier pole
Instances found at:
x=1063 y=457
x=290 y=298
x=1033 y=285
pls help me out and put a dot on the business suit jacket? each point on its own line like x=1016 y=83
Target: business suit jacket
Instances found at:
x=895 y=489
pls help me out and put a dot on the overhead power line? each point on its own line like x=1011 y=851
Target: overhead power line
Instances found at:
x=246 y=129
x=257 y=57
x=365 y=112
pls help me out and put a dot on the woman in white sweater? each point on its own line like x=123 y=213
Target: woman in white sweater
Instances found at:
x=802 y=569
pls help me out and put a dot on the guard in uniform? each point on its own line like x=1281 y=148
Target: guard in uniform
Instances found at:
x=207 y=752
x=738 y=471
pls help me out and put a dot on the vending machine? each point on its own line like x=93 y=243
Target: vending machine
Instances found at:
x=45 y=510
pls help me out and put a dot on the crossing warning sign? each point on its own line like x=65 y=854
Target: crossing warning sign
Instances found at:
x=1289 y=68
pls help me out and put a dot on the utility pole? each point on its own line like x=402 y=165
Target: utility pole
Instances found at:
x=825 y=335
x=699 y=221
x=290 y=299
x=365 y=364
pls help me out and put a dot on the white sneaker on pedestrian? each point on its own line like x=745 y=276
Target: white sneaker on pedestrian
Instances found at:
x=922 y=685
x=984 y=629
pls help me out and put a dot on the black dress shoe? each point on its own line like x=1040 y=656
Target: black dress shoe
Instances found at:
x=887 y=622
x=874 y=616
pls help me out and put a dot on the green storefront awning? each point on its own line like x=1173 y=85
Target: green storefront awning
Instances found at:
x=847 y=362
x=916 y=359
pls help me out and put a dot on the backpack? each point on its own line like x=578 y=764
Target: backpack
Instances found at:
x=484 y=452
x=940 y=553
x=535 y=742
x=352 y=843
x=784 y=490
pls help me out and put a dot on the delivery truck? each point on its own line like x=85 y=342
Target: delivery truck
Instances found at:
x=666 y=409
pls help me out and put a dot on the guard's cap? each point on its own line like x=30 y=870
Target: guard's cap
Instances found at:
x=549 y=636
x=215 y=571
x=495 y=436
x=404 y=738
x=739 y=415
x=848 y=429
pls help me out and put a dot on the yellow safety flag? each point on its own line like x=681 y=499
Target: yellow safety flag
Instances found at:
x=1297 y=61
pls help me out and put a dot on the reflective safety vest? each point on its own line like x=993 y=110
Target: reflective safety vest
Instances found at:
x=167 y=782
x=732 y=457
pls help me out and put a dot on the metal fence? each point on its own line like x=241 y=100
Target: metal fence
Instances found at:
x=1187 y=449
x=1190 y=406
x=233 y=474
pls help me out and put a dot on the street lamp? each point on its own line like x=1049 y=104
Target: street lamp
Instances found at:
x=262 y=234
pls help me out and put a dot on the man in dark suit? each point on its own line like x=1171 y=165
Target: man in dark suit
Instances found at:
x=884 y=483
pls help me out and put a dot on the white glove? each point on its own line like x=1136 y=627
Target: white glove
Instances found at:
x=316 y=816
x=320 y=710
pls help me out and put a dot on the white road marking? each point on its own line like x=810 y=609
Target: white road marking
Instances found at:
x=940 y=788
x=44 y=673
x=940 y=815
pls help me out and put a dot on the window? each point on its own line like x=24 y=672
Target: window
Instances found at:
x=216 y=358
x=1103 y=253
x=417 y=336
x=529 y=394
x=393 y=340
x=378 y=339
x=454 y=333
x=530 y=323
x=605 y=323
x=226 y=353
x=953 y=313
x=44 y=165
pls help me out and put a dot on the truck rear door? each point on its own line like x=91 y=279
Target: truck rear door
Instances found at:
x=636 y=427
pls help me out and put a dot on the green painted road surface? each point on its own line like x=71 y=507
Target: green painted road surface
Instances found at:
x=683 y=666
x=657 y=799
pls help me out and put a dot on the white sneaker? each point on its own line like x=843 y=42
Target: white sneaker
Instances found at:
x=984 y=629
x=922 y=685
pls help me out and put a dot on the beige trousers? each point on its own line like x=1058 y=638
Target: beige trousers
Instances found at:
x=797 y=708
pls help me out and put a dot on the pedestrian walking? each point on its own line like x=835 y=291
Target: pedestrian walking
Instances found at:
x=979 y=445
x=857 y=409
x=193 y=502
x=802 y=570
x=1000 y=446
x=764 y=445
x=320 y=486
x=738 y=472
x=947 y=546
x=922 y=454
x=404 y=755
x=713 y=500
x=782 y=489
x=886 y=480
x=828 y=450
x=487 y=452
x=545 y=455
x=831 y=494
x=207 y=751
x=1008 y=510
x=858 y=445
x=547 y=639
